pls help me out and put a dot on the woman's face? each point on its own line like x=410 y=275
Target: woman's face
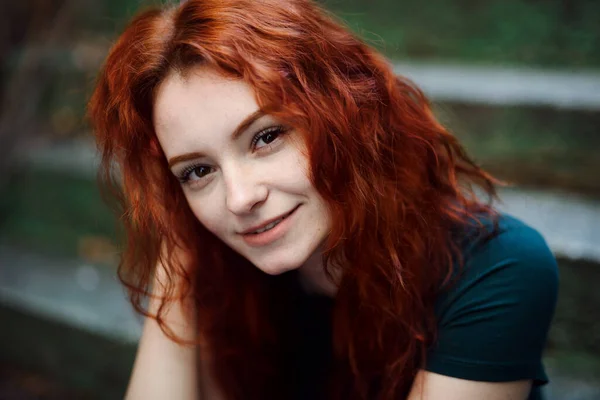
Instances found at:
x=244 y=175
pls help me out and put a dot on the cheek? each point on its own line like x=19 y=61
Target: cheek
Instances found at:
x=207 y=213
x=293 y=171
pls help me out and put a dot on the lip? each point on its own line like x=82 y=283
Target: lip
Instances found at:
x=257 y=227
x=273 y=234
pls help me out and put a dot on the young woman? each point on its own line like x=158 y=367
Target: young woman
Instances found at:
x=301 y=223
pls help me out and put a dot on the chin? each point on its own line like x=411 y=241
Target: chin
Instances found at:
x=276 y=267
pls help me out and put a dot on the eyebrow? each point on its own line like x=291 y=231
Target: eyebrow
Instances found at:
x=241 y=128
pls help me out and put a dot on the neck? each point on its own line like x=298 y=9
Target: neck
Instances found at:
x=313 y=278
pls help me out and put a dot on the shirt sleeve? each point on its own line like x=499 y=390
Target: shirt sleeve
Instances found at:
x=493 y=322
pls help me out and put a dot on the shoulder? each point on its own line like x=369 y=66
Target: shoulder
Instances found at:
x=507 y=248
x=505 y=229
x=493 y=318
x=505 y=260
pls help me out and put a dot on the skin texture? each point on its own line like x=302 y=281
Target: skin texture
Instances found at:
x=172 y=367
x=236 y=185
x=432 y=386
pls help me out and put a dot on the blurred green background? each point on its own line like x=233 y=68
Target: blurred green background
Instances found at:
x=51 y=50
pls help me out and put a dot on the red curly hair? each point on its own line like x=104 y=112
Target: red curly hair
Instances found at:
x=396 y=182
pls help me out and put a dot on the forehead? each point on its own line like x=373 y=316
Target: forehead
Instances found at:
x=199 y=103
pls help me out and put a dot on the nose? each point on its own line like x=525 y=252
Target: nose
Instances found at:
x=244 y=190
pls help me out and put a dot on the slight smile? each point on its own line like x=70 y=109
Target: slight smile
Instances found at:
x=269 y=231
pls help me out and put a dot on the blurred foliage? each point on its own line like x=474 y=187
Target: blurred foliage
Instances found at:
x=576 y=325
x=56 y=213
x=557 y=33
x=530 y=146
x=563 y=33
x=530 y=32
x=574 y=338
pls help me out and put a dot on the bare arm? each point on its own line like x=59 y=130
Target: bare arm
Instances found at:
x=432 y=386
x=164 y=369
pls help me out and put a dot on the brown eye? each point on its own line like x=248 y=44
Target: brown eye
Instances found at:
x=194 y=173
x=267 y=136
x=200 y=171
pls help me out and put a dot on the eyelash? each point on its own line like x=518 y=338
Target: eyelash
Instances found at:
x=278 y=129
x=184 y=176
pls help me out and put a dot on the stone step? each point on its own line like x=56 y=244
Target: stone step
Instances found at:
x=487 y=84
x=566 y=89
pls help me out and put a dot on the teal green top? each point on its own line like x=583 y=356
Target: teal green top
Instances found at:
x=493 y=321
